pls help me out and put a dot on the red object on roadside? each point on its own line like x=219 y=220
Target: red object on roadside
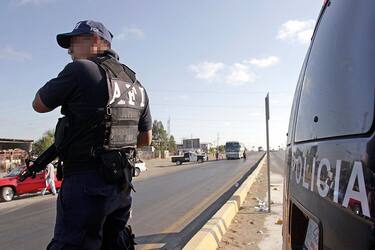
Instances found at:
x=11 y=186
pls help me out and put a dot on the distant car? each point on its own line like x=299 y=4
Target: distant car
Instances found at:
x=204 y=156
x=10 y=186
x=139 y=167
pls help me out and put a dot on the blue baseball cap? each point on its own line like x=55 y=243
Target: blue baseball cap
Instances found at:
x=84 y=27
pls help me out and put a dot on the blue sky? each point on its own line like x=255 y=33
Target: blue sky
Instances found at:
x=206 y=64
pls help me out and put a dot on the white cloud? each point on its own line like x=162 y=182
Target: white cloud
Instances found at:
x=264 y=62
x=240 y=74
x=206 y=70
x=296 y=31
x=129 y=33
x=34 y=2
x=236 y=74
x=8 y=53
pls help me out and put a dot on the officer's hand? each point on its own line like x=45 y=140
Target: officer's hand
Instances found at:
x=26 y=173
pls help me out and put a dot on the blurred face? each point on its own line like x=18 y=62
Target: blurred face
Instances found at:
x=83 y=46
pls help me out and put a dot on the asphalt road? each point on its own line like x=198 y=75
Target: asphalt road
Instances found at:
x=277 y=160
x=167 y=209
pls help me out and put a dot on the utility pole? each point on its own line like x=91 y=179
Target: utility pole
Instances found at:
x=169 y=126
x=268 y=151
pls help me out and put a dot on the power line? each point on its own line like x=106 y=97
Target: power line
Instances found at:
x=247 y=106
x=208 y=92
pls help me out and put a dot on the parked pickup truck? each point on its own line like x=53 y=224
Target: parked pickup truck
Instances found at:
x=11 y=186
x=189 y=157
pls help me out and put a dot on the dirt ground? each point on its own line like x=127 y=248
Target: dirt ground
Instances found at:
x=252 y=229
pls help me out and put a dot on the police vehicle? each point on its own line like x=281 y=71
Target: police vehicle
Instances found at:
x=189 y=157
x=329 y=193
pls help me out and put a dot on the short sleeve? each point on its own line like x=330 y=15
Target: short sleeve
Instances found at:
x=56 y=91
x=145 y=121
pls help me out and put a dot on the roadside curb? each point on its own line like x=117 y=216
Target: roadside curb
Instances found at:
x=209 y=236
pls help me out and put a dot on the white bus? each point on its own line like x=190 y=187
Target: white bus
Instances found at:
x=234 y=150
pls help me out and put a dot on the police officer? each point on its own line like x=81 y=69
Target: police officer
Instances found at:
x=106 y=114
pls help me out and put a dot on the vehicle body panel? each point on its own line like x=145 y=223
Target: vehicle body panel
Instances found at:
x=141 y=165
x=319 y=182
x=330 y=154
x=189 y=157
x=30 y=185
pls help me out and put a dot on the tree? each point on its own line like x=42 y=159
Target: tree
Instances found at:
x=172 y=147
x=159 y=136
x=221 y=149
x=43 y=143
x=212 y=150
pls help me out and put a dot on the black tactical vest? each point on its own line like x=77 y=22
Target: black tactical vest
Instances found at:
x=112 y=127
x=126 y=100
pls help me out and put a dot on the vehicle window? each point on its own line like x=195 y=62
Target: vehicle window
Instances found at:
x=337 y=95
x=16 y=171
x=295 y=98
x=232 y=146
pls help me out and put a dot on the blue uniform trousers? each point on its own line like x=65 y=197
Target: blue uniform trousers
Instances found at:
x=91 y=214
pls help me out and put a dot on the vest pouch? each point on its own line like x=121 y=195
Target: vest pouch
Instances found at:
x=112 y=167
x=129 y=156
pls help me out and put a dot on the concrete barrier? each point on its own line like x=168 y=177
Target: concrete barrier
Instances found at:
x=209 y=236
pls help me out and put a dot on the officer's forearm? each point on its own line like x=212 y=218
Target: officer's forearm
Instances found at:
x=144 y=138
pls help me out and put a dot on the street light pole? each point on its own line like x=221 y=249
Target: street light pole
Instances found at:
x=268 y=152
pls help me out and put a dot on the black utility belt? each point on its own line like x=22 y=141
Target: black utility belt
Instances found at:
x=114 y=166
x=77 y=167
x=69 y=172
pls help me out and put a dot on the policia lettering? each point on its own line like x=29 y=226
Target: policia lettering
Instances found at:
x=324 y=181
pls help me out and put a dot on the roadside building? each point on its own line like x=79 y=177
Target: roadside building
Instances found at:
x=180 y=147
x=13 y=153
x=205 y=147
x=192 y=144
x=146 y=153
